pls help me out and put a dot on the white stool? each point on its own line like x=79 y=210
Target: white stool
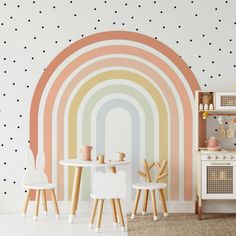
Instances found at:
x=35 y=179
x=151 y=186
x=108 y=186
x=40 y=188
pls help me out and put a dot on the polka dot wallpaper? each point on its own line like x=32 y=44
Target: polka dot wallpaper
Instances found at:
x=33 y=33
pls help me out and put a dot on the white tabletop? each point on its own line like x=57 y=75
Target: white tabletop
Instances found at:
x=93 y=163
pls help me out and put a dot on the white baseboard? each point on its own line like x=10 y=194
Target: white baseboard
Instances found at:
x=15 y=207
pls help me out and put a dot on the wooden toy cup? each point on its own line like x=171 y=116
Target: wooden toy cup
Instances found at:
x=121 y=156
x=100 y=158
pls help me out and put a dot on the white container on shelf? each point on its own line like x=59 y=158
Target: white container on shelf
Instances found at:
x=200 y=106
x=205 y=106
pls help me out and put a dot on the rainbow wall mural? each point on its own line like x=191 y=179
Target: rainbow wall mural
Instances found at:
x=118 y=91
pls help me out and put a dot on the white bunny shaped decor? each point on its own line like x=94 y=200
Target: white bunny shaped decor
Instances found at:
x=36 y=179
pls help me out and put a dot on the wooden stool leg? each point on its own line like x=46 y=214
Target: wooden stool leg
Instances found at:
x=53 y=196
x=95 y=204
x=163 y=200
x=154 y=205
x=114 y=213
x=37 y=205
x=99 y=220
x=120 y=214
x=26 y=203
x=145 y=201
x=45 y=208
x=136 y=203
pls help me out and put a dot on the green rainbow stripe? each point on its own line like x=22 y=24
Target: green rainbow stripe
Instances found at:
x=112 y=75
x=86 y=123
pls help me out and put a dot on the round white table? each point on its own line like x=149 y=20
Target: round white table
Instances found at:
x=79 y=165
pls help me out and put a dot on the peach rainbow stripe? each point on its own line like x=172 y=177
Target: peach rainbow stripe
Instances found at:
x=174 y=145
x=151 y=74
x=140 y=53
x=174 y=167
x=101 y=37
x=112 y=75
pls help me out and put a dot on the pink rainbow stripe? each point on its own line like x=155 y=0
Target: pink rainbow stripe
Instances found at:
x=93 y=39
x=112 y=62
x=130 y=51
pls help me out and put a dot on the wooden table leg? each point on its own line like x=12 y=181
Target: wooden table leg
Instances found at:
x=79 y=181
x=75 y=193
x=26 y=203
x=113 y=170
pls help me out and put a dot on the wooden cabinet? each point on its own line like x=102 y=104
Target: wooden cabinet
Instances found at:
x=213 y=168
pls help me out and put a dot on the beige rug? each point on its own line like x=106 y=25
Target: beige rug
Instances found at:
x=182 y=224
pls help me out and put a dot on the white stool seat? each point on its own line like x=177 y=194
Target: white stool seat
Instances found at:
x=39 y=186
x=149 y=186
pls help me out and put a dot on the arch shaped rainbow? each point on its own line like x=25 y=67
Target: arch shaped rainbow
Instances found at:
x=146 y=61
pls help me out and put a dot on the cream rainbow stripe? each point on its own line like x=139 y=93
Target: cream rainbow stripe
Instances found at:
x=111 y=75
x=125 y=62
x=123 y=89
x=115 y=49
x=148 y=122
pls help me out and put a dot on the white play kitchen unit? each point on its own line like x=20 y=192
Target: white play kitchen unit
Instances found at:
x=215 y=147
